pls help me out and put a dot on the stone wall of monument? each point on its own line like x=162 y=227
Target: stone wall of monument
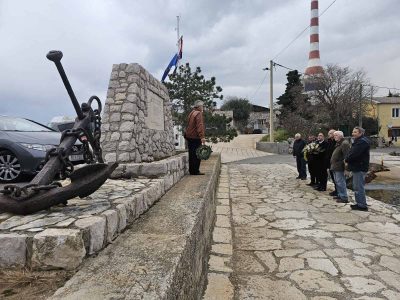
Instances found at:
x=137 y=118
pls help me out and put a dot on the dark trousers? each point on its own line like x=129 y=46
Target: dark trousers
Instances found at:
x=322 y=175
x=301 y=166
x=312 y=170
x=333 y=178
x=194 y=162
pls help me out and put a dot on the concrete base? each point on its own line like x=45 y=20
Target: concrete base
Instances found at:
x=164 y=253
x=274 y=147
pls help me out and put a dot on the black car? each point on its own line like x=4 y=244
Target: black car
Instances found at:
x=23 y=146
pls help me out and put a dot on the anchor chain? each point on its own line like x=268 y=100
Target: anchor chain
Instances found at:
x=17 y=191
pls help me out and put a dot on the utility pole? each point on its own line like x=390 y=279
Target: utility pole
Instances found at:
x=360 y=108
x=271 y=103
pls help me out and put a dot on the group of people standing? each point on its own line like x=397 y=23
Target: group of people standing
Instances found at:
x=335 y=156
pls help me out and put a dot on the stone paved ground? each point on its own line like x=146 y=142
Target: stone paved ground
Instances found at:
x=276 y=238
x=241 y=147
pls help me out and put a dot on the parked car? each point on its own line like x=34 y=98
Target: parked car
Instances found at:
x=23 y=146
x=61 y=123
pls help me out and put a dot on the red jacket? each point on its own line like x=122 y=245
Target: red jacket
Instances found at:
x=195 y=127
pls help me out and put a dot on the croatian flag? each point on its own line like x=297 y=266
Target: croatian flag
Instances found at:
x=174 y=60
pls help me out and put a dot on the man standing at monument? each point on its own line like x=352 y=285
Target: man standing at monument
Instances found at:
x=195 y=136
x=358 y=164
x=298 y=147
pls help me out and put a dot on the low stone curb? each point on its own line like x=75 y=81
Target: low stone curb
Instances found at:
x=220 y=262
x=60 y=238
x=164 y=253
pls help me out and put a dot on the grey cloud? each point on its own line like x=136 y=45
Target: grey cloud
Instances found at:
x=231 y=40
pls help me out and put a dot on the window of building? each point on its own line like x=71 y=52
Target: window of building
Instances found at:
x=395 y=112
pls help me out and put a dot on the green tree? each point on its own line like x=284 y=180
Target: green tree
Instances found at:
x=292 y=91
x=241 y=108
x=297 y=112
x=185 y=88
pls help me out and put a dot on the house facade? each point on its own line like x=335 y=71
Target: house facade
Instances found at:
x=387 y=110
x=258 y=119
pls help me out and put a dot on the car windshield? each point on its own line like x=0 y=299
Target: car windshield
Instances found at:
x=19 y=124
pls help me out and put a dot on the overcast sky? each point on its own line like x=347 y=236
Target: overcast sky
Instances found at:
x=231 y=40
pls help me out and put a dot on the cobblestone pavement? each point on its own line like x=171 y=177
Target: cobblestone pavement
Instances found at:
x=241 y=147
x=276 y=238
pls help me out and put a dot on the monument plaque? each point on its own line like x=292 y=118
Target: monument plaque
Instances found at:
x=155 y=112
x=137 y=119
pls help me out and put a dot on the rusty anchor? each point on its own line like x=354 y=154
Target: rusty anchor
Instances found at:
x=43 y=192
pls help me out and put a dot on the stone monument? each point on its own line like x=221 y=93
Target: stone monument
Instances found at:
x=137 y=120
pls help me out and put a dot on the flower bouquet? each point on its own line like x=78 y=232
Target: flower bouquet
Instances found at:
x=311 y=149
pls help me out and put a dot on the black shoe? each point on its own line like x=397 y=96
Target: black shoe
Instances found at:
x=311 y=184
x=316 y=187
x=356 y=207
x=336 y=197
x=198 y=173
x=342 y=201
x=298 y=177
x=334 y=193
x=321 y=189
x=303 y=178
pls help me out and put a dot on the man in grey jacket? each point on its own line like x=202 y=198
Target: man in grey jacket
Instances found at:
x=342 y=148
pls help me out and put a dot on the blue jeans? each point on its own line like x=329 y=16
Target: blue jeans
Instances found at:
x=340 y=182
x=301 y=166
x=358 y=188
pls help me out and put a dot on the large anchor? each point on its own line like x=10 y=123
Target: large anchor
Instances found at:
x=43 y=192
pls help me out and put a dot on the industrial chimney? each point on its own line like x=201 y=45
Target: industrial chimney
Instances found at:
x=314 y=67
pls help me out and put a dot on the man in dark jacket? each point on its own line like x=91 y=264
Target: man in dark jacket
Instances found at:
x=298 y=147
x=358 y=164
x=322 y=172
x=195 y=136
x=330 y=147
x=311 y=164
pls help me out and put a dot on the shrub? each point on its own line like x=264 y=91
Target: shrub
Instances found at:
x=280 y=135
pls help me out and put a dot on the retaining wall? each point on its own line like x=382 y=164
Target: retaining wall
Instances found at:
x=274 y=147
x=61 y=237
x=163 y=255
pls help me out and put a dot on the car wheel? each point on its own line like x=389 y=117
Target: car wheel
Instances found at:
x=10 y=168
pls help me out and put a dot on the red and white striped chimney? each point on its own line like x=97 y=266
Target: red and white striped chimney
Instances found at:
x=314 y=66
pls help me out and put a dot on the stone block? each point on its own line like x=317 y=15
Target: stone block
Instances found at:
x=96 y=227
x=58 y=248
x=115 y=117
x=154 y=169
x=112 y=224
x=120 y=96
x=141 y=204
x=12 y=250
x=129 y=107
x=110 y=157
x=124 y=157
x=115 y=136
x=127 y=126
x=132 y=170
x=123 y=145
x=130 y=207
x=122 y=217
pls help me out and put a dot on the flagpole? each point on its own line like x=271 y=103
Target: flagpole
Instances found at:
x=177 y=35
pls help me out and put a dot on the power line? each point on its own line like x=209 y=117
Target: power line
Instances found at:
x=385 y=87
x=255 y=93
x=288 y=45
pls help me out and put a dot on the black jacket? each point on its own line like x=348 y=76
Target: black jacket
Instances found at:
x=358 y=157
x=320 y=157
x=298 y=146
x=330 y=147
